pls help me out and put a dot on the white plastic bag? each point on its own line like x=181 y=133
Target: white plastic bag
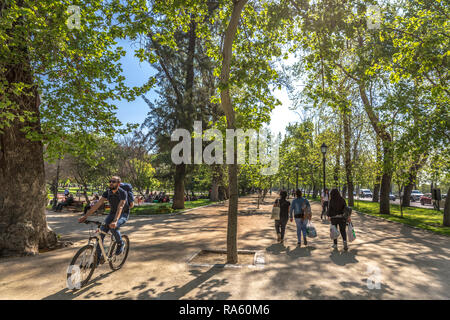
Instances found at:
x=351 y=235
x=334 y=233
x=311 y=230
x=275 y=213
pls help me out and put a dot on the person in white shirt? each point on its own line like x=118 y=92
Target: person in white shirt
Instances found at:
x=324 y=199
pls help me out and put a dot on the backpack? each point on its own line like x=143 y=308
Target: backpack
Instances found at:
x=129 y=189
x=347 y=212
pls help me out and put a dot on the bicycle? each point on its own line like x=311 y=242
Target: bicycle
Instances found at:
x=84 y=261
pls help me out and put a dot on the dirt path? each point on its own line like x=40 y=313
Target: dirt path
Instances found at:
x=413 y=264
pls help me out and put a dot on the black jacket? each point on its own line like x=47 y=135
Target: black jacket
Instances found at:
x=284 y=209
x=333 y=211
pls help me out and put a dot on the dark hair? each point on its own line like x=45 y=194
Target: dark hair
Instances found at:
x=283 y=194
x=336 y=200
x=298 y=193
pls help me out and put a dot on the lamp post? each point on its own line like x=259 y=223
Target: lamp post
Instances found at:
x=296 y=183
x=323 y=148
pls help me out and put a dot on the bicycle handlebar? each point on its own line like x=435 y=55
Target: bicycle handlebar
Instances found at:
x=94 y=222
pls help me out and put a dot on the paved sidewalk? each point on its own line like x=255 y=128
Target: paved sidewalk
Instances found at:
x=413 y=264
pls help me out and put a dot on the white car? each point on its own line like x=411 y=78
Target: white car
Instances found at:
x=365 y=193
x=415 y=195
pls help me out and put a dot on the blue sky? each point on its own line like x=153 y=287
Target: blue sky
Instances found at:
x=137 y=73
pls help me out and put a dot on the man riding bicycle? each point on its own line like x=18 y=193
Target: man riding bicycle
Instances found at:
x=118 y=215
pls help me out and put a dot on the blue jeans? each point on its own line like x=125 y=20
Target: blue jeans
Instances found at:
x=301 y=226
x=115 y=232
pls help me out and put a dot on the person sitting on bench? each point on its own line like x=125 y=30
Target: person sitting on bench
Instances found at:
x=91 y=204
x=67 y=202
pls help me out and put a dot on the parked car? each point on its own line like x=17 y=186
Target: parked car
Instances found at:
x=392 y=197
x=415 y=195
x=425 y=199
x=365 y=193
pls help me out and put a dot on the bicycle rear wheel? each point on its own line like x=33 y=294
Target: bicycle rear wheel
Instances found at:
x=116 y=261
x=82 y=267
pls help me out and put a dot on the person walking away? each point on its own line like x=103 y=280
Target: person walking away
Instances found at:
x=324 y=198
x=335 y=214
x=297 y=209
x=280 y=225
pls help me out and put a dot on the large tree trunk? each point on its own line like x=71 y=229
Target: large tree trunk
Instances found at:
x=385 y=188
x=23 y=198
x=214 y=196
x=337 y=166
x=348 y=160
x=386 y=139
x=446 y=221
x=215 y=180
x=412 y=178
x=178 y=197
x=55 y=184
x=227 y=107
x=376 y=187
x=407 y=193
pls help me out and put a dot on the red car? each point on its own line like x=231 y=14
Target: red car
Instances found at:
x=425 y=199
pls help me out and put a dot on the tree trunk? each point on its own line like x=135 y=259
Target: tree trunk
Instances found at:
x=228 y=109
x=85 y=193
x=315 y=191
x=385 y=187
x=376 y=187
x=407 y=194
x=214 y=196
x=178 y=197
x=216 y=177
x=446 y=221
x=337 y=166
x=348 y=160
x=23 y=198
x=386 y=139
x=55 y=184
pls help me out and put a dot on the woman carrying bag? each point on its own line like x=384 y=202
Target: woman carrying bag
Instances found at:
x=336 y=215
x=283 y=217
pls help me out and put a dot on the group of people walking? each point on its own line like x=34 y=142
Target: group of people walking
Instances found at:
x=333 y=207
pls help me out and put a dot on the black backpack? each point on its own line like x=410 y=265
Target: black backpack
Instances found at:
x=129 y=189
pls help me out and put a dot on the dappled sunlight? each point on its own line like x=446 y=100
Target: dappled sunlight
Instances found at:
x=413 y=263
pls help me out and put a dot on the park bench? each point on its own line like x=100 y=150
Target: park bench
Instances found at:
x=75 y=206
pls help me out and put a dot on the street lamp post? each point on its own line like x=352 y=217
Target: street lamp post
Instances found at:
x=324 y=148
x=296 y=183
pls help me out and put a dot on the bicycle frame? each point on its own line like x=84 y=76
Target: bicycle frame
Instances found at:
x=98 y=240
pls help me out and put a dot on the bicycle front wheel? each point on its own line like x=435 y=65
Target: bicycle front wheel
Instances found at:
x=82 y=267
x=116 y=261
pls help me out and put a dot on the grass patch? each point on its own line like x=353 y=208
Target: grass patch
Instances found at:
x=423 y=218
x=164 y=208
